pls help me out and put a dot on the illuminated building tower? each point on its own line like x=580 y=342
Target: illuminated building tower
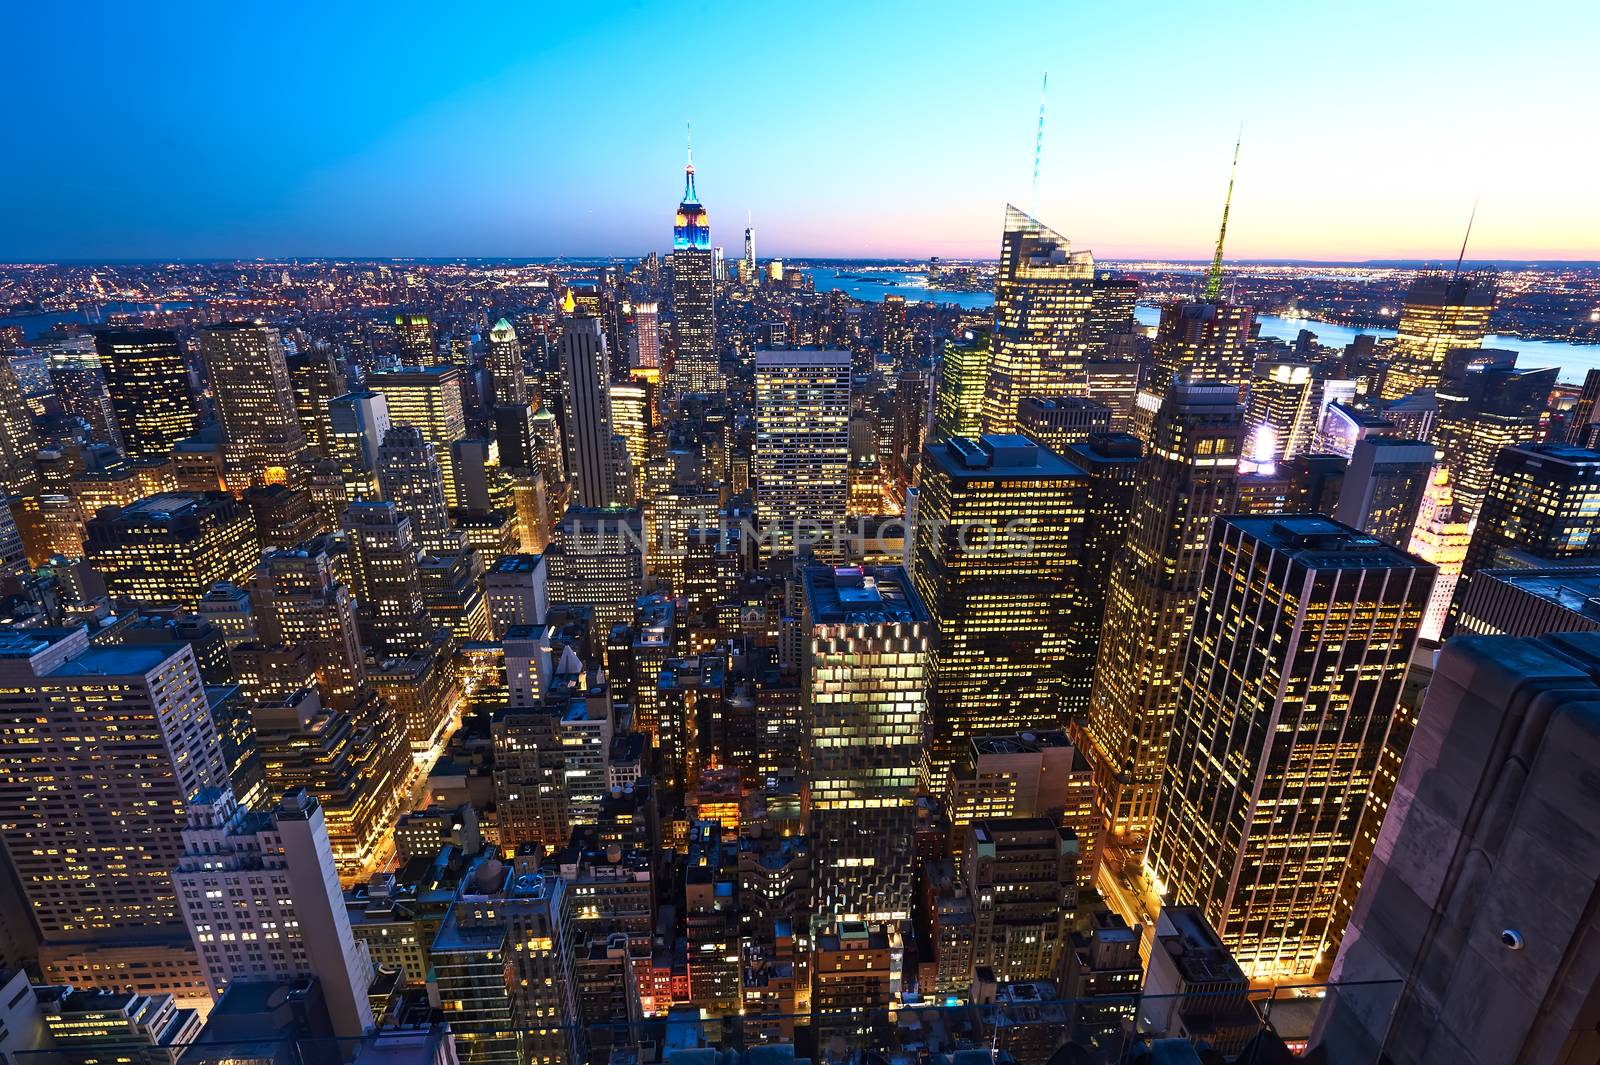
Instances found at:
x=149 y=386
x=299 y=601
x=711 y=920
x=170 y=549
x=1200 y=341
x=747 y=269
x=1583 y=428
x=963 y=382
x=642 y=325
x=1042 y=294
x=856 y=971
x=316 y=381
x=1496 y=776
x=104 y=746
x=1442 y=311
x=1543 y=505
x=409 y=477
x=1115 y=382
x=1414 y=415
x=1189 y=474
x=897 y=339
x=1483 y=409
x=1058 y=423
x=295 y=924
x=694 y=288
x=384 y=575
x=1280 y=404
x=517 y=589
x=597 y=560
x=1441 y=537
x=998 y=561
x=18 y=474
x=587 y=428
x=1111 y=308
x=429 y=399
x=802 y=447
x=1112 y=463
x=263 y=442
x=631 y=409
x=865 y=665
x=1383 y=487
x=1303 y=631
x=672 y=513
x=414 y=334
x=80 y=384
x=358 y=421
x=505 y=366
x=1021 y=874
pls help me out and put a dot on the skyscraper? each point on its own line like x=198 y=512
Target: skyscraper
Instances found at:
x=1303 y=630
x=587 y=429
x=747 y=269
x=149 y=386
x=429 y=399
x=169 y=549
x=384 y=575
x=865 y=661
x=1485 y=406
x=1441 y=537
x=1280 y=404
x=1441 y=311
x=299 y=601
x=694 y=287
x=263 y=442
x=18 y=474
x=1042 y=294
x=316 y=380
x=1383 y=487
x=1189 y=473
x=1000 y=536
x=963 y=382
x=1583 y=428
x=409 y=477
x=505 y=366
x=79 y=382
x=802 y=448
x=1020 y=873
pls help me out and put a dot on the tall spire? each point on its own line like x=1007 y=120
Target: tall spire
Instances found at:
x=1038 y=145
x=1466 y=237
x=1214 y=276
x=688 y=169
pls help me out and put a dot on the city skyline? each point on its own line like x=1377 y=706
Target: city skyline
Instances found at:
x=528 y=134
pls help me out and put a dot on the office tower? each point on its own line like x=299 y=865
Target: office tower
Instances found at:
x=1000 y=527
x=1280 y=405
x=897 y=336
x=963 y=382
x=317 y=381
x=409 y=476
x=429 y=399
x=1480 y=896
x=675 y=514
x=79 y=382
x=299 y=601
x=517 y=589
x=856 y=974
x=85 y=1024
x=1057 y=423
x=597 y=560
x=1384 y=486
x=294 y=924
x=505 y=366
x=587 y=429
x=909 y=431
x=18 y=474
x=865 y=670
x=1042 y=294
x=694 y=288
x=384 y=575
x=358 y=421
x=1188 y=474
x=1202 y=341
x=747 y=269
x=1532 y=602
x=1112 y=462
x=1483 y=409
x=149 y=386
x=1021 y=874
x=1115 y=382
x=802 y=447
x=1413 y=415
x=414 y=334
x=1583 y=425
x=263 y=442
x=1441 y=537
x=1314 y=483
x=170 y=549
x=1441 y=312
x=631 y=417
x=104 y=746
x=1302 y=634
x=643 y=327
x=1111 y=309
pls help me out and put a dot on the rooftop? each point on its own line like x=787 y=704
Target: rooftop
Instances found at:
x=999 y=456
x=857 y=595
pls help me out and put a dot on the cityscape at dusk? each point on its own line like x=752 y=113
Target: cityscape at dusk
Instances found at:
x=746 y=535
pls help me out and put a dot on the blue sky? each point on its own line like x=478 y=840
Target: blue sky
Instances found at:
x=858 y=129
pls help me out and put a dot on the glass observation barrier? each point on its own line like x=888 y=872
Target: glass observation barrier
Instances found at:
x=1331 y=1024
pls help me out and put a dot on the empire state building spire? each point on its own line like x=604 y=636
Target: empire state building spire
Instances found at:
x=691 y=228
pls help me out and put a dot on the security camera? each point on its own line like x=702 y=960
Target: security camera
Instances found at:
x=1512 y=939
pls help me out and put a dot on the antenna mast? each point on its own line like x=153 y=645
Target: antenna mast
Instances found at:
x=1466 y=237
x=1038 y=145
x=1214 y=277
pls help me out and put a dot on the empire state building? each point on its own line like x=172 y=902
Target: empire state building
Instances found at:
x=694 y=310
